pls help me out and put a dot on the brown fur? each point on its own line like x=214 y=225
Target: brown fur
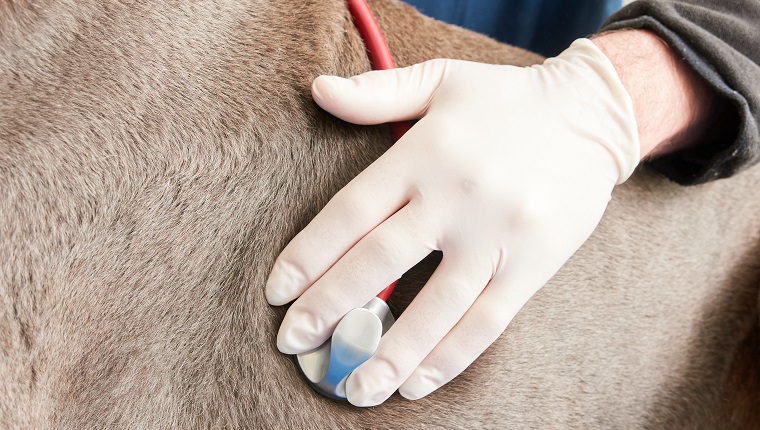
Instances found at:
x=154 y=160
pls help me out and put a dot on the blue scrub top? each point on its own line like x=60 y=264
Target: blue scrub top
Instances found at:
x=543 y=26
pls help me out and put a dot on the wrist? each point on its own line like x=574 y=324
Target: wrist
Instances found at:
x=671 y=102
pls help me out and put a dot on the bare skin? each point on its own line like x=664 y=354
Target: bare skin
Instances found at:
x=672 y=103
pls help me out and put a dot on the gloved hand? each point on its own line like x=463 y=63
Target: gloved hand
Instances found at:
x=507 y=172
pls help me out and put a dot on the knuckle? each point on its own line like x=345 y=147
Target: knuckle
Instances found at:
x=385 y=246
x=433 y=70
x=457 y=296
x=352 y=206
x=494 y=318
x=530 y=211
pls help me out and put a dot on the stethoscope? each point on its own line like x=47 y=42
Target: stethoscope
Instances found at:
x=357 y=335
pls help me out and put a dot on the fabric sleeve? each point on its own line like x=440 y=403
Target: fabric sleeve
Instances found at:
x=720 y=40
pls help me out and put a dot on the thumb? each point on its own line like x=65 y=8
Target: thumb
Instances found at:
x=381 y=95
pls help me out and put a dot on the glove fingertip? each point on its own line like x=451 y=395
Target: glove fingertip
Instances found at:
x=285 y=283
x=297 y=336
x=275 y=296
x=365 y=391
x=327 y=88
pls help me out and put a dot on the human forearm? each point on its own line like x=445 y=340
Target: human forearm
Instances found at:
x=671 y=102
x=718 y=39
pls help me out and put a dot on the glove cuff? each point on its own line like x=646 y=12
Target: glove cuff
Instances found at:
x=623 y=137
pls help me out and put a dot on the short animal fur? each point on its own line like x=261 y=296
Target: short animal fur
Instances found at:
x=155 y=157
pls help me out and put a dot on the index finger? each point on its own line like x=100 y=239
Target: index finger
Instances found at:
x=368 y=200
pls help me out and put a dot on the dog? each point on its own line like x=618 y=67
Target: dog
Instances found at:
x=155 y=158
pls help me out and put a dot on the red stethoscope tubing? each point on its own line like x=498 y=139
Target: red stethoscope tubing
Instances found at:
x=381 y=59
x=377 y=49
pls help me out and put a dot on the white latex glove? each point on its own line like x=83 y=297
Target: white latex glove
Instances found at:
x=508 y=172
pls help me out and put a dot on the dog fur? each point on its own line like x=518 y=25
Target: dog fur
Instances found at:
x=155 y=157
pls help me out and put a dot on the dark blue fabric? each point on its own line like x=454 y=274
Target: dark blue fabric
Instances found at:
x=543 y=26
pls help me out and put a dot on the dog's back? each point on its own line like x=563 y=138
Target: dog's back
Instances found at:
x=155 y=159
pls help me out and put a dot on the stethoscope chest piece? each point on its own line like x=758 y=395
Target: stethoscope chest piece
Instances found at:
x=353 y=342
